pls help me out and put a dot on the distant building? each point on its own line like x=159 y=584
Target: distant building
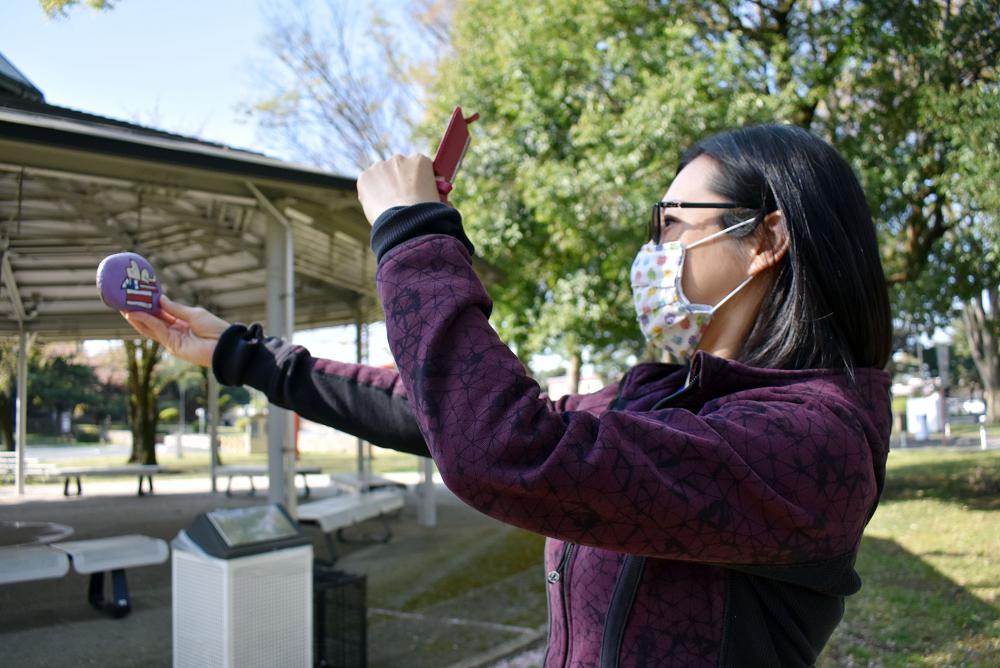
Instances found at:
x=558 y=386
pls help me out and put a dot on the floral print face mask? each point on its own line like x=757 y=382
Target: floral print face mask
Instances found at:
x=667 y=318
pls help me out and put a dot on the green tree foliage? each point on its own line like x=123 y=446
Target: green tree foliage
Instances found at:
x=8 y=390
x=57 y=385
x=586 y=108
x=174 y=372
x=58 y=8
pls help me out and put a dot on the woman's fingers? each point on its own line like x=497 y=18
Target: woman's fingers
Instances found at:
x=167 y=318
x=178 y=338
x=149 y=326
x=195 y=318
x=176 y=310
x=398 y=181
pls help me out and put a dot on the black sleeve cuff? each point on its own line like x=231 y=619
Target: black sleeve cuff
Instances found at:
x=402 y=223
x=233 y=352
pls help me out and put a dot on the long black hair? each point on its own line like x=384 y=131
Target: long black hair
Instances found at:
x=828 y=304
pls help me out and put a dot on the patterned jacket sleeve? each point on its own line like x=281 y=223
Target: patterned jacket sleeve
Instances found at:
x=739 y=483
x=361 y=400
x=365 y=401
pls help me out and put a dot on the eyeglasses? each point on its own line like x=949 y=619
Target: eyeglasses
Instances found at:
x=656 y=220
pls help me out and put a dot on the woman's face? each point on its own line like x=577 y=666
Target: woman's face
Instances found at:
x=713 y=269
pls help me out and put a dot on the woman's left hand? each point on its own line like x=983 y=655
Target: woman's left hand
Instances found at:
x=398 y=181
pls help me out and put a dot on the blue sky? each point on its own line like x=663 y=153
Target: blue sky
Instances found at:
x=183 y=65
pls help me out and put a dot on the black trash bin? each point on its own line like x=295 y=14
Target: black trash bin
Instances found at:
x=340 y=619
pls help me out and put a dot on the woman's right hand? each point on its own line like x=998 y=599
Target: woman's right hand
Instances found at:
x=188 y=332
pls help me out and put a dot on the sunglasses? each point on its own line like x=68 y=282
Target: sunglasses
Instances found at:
x=656 y=220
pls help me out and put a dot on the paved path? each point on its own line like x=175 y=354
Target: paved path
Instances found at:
x=48 y=622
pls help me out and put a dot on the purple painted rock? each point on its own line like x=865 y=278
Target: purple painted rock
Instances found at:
x=127 y=282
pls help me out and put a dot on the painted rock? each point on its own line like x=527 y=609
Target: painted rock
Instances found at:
x=127 y=282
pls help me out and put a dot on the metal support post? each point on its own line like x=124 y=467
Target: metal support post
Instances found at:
x=180 y=420
x=213 y=427
x=281 y=322
x=21 y=408
x=427 y=509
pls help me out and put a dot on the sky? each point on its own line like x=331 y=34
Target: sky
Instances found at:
x=179 y=65
x=182 y=65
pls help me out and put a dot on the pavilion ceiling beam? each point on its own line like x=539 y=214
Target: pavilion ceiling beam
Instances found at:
x=128 y=243
x=19 y=312
x=196 y=259
x=166 y=191
x=159 y=235
x=244 y=273
x=338 y=219
x=55 y=261
x=181 y=235
x=49 y=245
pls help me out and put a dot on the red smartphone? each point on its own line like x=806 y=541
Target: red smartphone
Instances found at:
x=451 y=151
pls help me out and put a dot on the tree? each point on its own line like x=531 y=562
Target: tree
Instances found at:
x=586 y=109
x=141 y=357
x=343 y=95
x=58 y=386
x=8 y=390
x=58 y=8
x=581 y=133
x=920 y=121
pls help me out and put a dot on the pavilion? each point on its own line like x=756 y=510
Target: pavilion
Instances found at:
x=247 y=236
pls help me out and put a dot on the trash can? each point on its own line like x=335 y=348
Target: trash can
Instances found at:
x=242 y=591
x=340 y=618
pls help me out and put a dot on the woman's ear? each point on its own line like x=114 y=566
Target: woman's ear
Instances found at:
x=771 y=243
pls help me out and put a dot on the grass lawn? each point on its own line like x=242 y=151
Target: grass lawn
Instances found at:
x=195 y=464
x=930 y=563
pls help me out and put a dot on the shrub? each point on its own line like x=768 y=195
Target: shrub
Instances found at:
x=86 y=433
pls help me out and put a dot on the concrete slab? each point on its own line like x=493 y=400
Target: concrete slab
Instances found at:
x=464 y=593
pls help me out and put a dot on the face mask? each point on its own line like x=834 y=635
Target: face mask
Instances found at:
x=666 y=317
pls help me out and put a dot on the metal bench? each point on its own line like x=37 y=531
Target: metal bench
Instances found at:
x=250 y=470
x=23 y=564
x=354 y=483
x=32 y=467
x=114 y=555
x=144 y=471
x=339 y=512
x=93 y=557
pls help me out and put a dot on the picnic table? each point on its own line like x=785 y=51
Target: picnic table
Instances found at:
x=251 y=470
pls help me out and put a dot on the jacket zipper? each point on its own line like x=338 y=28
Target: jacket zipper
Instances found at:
x=558 y=576
x=620 y=608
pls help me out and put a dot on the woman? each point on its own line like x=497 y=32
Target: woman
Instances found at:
x=704 y=513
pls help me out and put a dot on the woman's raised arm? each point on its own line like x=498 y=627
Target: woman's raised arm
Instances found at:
x=365 y=401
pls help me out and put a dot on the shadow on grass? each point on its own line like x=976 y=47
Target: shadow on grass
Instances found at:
x=908 y=613
x=971 y=479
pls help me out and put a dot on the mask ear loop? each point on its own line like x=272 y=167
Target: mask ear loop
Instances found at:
x=680 y=270
x=721 y=232
x=748 y=278
x=735 y=290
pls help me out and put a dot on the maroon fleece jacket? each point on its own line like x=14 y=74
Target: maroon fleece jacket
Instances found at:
x=710 y=524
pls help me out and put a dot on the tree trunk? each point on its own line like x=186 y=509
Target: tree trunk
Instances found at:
x=208 y=416
x=8 y=387
x=141 y=358
x=7 y=422
x=573 y=370
x=982 y=328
